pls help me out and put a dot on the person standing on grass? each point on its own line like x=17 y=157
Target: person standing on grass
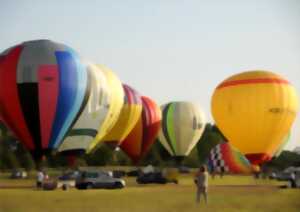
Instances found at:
x=201 y=180
x=39 y=179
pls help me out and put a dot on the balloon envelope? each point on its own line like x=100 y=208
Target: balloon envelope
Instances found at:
x=181 y=128
x=130 y=113
x=138 y=142
x=224 y=158
x=116 y=101
x=94 y=111
x=255 y=110
x=42 y=88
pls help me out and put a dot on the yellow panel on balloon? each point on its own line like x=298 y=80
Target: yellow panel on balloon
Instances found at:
x=127 y=120
x=116 y=102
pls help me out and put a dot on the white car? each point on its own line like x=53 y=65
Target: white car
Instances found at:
x=98 y=179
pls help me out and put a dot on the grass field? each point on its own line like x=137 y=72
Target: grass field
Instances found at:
x=231 y=193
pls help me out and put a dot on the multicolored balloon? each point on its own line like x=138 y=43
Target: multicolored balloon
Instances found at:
x=130 y=113
x=182 y=126
x=255 y=110
x=94 y=111
x=116 y=100
x=142 y=136
x=43 y=85
x=224 y=158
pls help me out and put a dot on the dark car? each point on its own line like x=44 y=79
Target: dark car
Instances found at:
x=118 y=173
x=134 y=173
x=67 y=179
x=69 y=175
x=153 y=177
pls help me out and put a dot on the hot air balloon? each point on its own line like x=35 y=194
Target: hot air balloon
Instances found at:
x=128 y=117
x=116 y=100
x=181 y=128
x=93 y=114
x=224 y=158
x=43 y=85
x=138 y=142
x=255 y=110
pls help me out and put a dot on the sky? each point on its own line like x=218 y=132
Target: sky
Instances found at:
x=169 y=50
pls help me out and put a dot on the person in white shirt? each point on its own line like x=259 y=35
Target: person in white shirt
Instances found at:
x=201 y=180
x=39 y=179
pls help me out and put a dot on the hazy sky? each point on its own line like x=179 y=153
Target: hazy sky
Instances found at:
x=168 y=49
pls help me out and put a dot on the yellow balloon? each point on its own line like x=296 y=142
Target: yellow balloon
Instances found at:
x=255 y=110
x=116 y=103
x=130 y=114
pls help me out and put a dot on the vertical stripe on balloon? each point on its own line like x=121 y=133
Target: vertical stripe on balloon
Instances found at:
x=171 y=128
x=165 y=126
x=146 y=119
x=10 y=106
x=125 y=94
x=67 y=92
x=86 y=98
x=48 y=92
x=29 y=99
x=80 y=72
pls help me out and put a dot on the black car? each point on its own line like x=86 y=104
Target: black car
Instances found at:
x=69 y=175
x=153 y=177
x=134 y=173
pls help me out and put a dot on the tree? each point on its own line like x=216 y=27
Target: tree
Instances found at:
x=211 y=137
x=285 y=160
x=7 y=156
x=100 y=157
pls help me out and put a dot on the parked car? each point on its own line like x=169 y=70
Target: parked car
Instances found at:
x=134 y=172
x=72 y=175
x=67 y=179
x=98 y=179
x=283 y=176
x=154 y=177
x=118 y=173
x=184 y=169
x=287 y=175
x=18 y=174
x=272 y=175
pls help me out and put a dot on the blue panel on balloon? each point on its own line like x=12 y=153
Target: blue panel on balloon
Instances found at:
x=81 y=74
x=67 y=91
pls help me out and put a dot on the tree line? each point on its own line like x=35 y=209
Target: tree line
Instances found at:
x=14 y=155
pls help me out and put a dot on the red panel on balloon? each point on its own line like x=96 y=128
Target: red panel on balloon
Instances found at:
x=10 y=107
x=257 y=159
x=151 y=118
x=48 y=92
x=140 y=139
x=133 y=142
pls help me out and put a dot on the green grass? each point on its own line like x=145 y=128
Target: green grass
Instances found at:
x=231 y=193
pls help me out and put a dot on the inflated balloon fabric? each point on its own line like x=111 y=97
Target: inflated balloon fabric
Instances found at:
x=255 y=110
